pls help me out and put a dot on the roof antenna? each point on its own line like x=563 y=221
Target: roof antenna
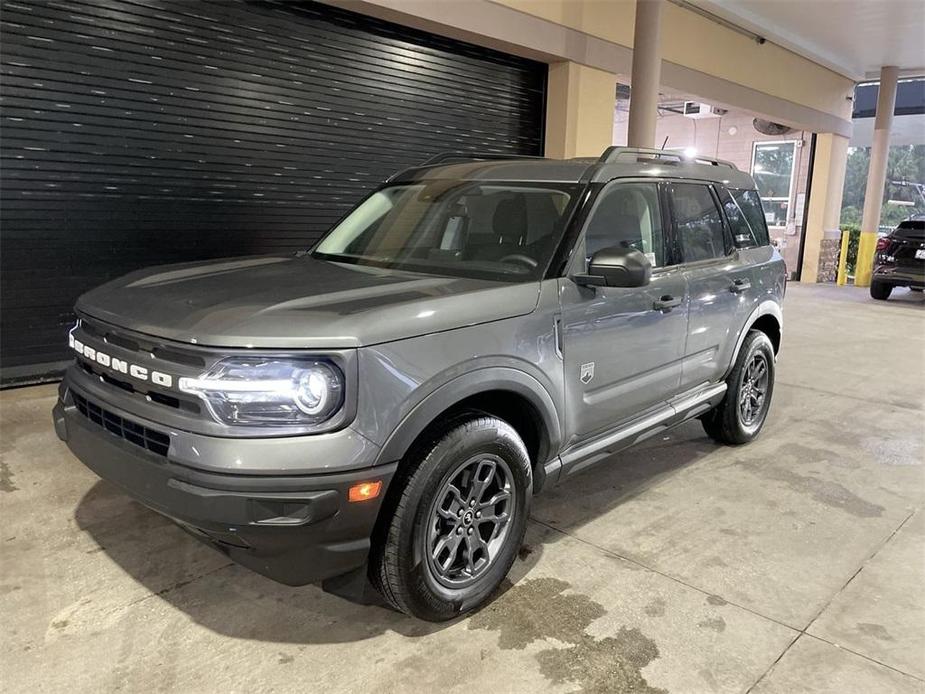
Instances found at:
x=665 y=142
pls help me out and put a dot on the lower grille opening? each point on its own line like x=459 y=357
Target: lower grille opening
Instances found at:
x=149 y=439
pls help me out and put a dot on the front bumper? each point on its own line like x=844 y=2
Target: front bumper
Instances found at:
x=295 y=529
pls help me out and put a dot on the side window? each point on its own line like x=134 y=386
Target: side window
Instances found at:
x=698 y=221
x=742 y=234
x=750 y=204
x=627 y=215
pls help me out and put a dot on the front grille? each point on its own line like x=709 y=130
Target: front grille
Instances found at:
x=152 y=395
x=135 y=433
x=141 y=344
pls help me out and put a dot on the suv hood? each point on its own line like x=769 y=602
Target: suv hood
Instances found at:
x=298 y=302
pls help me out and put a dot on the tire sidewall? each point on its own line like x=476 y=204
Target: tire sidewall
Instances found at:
x=459 y=444
x=880 y=290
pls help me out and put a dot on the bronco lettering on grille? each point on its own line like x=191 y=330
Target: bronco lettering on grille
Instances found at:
x=142 y=373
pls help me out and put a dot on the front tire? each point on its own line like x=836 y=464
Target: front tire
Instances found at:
x=456 y=519
x=880 y=290
x=740 y=416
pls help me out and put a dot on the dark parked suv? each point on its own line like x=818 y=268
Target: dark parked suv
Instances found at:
x=383 y=407
x=900 y=259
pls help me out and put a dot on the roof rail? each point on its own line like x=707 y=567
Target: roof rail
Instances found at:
x=472 y=156
x=613 y=155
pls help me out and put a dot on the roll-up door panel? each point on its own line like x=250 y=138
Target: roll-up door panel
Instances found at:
x=144 y=132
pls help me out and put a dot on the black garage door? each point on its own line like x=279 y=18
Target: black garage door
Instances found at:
x=143 y=132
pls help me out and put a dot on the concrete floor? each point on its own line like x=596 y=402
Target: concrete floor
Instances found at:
x=796 y=563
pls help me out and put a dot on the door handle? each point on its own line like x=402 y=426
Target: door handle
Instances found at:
x=740 y=285
x=666 y=303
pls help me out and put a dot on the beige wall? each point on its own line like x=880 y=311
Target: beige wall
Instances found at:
x=825 y=205
x=703 y=45
x=701 y=57
x=579 y=110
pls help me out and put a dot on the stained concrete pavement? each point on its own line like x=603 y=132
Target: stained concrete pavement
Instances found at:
x=796 y=563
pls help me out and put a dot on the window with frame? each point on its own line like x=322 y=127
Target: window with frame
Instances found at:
x=749 y=203
x=698 y=222
x=743 y=236
x=627 y=215
x=772 y=169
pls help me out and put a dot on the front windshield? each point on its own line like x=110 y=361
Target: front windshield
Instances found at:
x=488 y=230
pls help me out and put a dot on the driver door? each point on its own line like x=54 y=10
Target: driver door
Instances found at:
x=622 y=347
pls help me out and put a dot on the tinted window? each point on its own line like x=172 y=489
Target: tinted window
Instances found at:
x=742 y=234
x=627 y=215
x=913 y=229
x=699 y=224
x=750 y=204
x=492 y=230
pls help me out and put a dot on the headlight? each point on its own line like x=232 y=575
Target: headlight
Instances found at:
x=267 y=391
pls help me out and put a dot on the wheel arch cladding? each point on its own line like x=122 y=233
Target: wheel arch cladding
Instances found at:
x=508 y=394
x=769 y=325
x=769 y=319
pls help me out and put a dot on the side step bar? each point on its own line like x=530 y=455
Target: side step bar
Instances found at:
x=587 y=454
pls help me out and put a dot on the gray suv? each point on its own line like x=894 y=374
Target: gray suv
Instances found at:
x=379 y=411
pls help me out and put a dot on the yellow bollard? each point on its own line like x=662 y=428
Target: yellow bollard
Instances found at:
x=864 y=268
x=842 y=278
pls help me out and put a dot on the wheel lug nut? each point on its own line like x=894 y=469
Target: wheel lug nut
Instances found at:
x=472 y=502
x=469 y=531
x=478 y=514
x=459 y=531
x=459 y=513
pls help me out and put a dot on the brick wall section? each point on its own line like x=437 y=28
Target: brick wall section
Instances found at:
x=828 y=257
x=732 y=137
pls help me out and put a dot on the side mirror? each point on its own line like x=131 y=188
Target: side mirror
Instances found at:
x=616 y=267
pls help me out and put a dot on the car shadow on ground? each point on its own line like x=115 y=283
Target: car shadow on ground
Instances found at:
x=197 y=580
x=901 y=297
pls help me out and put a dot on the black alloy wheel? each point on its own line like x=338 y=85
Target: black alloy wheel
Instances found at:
x=470 y=520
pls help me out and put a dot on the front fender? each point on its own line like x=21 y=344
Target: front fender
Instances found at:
x=464 y=386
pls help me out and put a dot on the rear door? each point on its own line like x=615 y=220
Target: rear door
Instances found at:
x=718 y=279
x=622 y=347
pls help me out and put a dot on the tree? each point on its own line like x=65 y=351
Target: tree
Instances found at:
x=905 y=163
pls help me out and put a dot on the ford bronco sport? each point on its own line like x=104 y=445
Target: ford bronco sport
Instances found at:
x=381 y=409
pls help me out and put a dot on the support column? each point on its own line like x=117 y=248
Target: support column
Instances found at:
x=876 y=175
x=579 y=110
x=647 y=73
x=828 y=184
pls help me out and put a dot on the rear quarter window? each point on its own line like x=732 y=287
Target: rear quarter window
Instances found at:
x=742 y=234
x=750 y=203
x=912 y=229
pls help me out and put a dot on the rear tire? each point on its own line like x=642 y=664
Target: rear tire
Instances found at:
x=740 y=416
x=880 y=290
x=456 y=519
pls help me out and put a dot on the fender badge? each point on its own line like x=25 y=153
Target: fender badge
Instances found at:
x=587 y=372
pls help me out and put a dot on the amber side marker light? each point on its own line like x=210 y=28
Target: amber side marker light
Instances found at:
x=364 y=491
